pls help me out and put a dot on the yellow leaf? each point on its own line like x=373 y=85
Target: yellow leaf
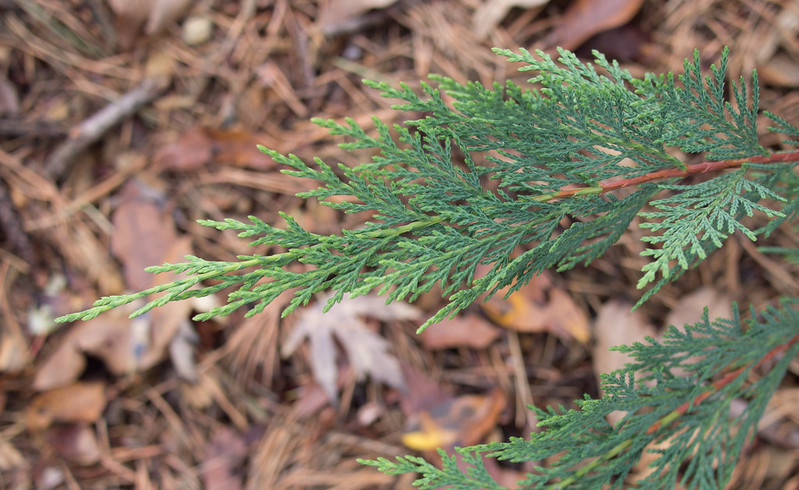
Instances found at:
x=430 y=437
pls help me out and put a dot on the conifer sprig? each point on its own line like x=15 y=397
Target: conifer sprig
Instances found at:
x=498 y=169
x=677 y=391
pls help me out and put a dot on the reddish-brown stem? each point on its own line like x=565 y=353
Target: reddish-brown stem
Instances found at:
x=696 y=168
x=719 y=384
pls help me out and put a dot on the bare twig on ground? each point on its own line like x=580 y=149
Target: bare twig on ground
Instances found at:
x=93 y=128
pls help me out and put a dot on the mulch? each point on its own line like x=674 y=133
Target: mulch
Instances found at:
x=121 y=126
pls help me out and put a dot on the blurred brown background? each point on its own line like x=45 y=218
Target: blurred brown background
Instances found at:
x=122 y=123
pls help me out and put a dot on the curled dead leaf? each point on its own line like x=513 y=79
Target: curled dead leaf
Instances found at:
x=585 y=18
x=107 y=336
x=490 y=13
x=78 y=402
x=462 y=421
x=539 y=306
x=469 y=330
x=430 y=436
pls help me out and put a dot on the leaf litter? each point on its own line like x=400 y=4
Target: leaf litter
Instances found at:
x=266 y=68
x=366 y=351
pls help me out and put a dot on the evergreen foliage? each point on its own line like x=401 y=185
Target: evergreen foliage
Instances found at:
x=486 y=171
x=681 y=397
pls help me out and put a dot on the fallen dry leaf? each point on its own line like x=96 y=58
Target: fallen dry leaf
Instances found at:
x=490 y=13
x=128 y=345
x=335 y=12
x=584 y=18
x=140 y=216
x=154 y=15
x=426 y=392
x=10 y=457
x=539 y=306
x=781 y=70
x=427 y=434
x=624 y=43
x=78 y=402
x=462 y=421
x=367 y=352
x=124 y=346
x=312 y=398
x=107 y=335
x=14 y=353
x=143 y=233
x=75 y=442
x=468 y=330
x=223 y=454
x=617 y=324
x=191 y=150
x=435 y=418
x=201 y=145
x=200 y=394
x=690 y=308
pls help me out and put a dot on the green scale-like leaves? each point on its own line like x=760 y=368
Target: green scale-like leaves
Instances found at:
x=481 y=178
x=701 y=215
x=702 y=444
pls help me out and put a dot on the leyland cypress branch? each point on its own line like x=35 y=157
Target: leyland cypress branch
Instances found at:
x=517 y=181
x=673 y=417
x=719 y=384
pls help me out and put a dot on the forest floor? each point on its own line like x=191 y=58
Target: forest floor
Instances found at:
x=123 y=123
